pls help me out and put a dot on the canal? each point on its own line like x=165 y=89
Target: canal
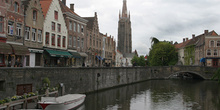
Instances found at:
x=157 y=95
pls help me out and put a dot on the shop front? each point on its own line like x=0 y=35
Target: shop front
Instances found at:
x=18 y=58
x=75 y=60
x=5 y=51
x=56 y=58
x=213 y=62
x=83 y=59
x=36 y=58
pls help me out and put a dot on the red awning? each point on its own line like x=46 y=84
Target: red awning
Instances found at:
x=5 y=48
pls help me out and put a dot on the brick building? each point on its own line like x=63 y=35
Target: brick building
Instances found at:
x=76 y=27
x=94 y=41
x=33 y=35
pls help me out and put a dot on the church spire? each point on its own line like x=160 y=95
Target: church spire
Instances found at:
x=124 y=9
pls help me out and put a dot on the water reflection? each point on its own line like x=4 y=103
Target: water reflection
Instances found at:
x=158 y=95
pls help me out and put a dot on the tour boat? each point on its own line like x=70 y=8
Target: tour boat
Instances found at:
x=65 y=102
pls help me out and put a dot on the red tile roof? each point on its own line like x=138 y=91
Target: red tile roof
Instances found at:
x=45 y=4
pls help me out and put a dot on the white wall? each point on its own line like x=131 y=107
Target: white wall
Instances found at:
x=55 y=6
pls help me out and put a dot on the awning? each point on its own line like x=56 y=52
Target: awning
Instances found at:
x=75 y=54
x=98 y=57
x=101 y=58
x=20 y=49
x=5 y=48
x=202 y=60
x=57 y=53
x=83 y=54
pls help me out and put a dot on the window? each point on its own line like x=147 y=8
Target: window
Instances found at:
x=18 y=29
x=53 y=39
x=74 y=27
x=212 y=43
x=27 y=33
x=82 y=43
x=70 y=25
x=64 y=41
x=55 y=15
x=1 y=59
x=215 y=52
x=59 y=27
x=58 y=40
x=2 y=85
x=78 y=42
x=78 y=28
x=70 y=41
x=33 y=34
x=34 y=15
x=1 y=24
x=74 y=41
x=10 y=28
x=16 y=7
x=218 y=43
x=82 y=28
x=39 y=35
x=53 y=26
x=47 y=38
x=208 y=52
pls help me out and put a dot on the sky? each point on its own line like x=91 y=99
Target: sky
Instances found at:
x=170 y=20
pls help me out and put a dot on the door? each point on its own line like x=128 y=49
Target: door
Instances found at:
x=24 y=88
x=215 y=62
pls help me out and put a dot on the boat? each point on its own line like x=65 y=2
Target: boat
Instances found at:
x=66 y=102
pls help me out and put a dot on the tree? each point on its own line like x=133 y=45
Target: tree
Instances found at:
x=154 y=40
x=140 y=61
x=163 y=54
x=216 y=76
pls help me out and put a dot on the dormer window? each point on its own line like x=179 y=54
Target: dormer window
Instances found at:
x=16 y=7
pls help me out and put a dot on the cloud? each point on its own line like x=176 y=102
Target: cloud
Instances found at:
x=164 y=19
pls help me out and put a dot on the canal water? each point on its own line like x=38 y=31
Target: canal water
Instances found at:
x=157 y=95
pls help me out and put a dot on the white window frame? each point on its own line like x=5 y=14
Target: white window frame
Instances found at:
x=216 y=52
x=27 y=33
x=74 y=27
x=210 y=43
x=210 y=52
x=18 y=29
x=70 y=41
x=33 y=34
x=39 y=39
x=78 y=28
x=70 y=25
x=217 y=43
x=78 y=42
x=10 y=28
x=82 y=43
x=74 y=41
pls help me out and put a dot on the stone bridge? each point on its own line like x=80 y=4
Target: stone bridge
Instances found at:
x=199 y=72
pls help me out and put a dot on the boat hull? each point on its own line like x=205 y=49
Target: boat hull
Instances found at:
x=62 y=106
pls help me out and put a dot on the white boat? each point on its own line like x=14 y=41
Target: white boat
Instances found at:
x=65 y=102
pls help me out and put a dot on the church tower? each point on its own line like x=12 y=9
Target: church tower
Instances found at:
x=124 y=30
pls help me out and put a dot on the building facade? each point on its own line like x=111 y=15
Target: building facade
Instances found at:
x=94 y=42
x=55 y=34
x=124 y=31
x=33 y=34
x=76 y=27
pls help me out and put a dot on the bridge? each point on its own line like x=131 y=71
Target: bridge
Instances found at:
x=197 y=72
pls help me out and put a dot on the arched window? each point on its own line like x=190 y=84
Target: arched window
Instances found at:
x=16 y=7
x=212 y=43
x=215 y=52
x=208 y=52
x=34 y=15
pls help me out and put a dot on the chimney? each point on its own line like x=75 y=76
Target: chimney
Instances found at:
x=186 y=39
x=72 y=7
x=206 y=32
x=64 y=2
x=95 y=13
x=183 y=39
x=193 y=36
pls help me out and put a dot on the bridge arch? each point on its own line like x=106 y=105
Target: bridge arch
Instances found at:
x=194 y=74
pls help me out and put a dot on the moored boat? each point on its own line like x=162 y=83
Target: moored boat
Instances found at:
x=65 y=102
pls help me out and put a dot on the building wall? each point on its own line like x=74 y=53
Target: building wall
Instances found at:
x=16 y=18
x=3 y=12
x=36 y=24
x=49 y=18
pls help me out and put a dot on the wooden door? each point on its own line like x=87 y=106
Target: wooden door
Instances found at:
x=24 y=88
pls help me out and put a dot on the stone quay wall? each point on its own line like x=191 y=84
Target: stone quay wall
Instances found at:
x=83 y=80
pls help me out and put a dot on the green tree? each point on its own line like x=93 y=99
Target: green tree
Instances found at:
x=154 y=40
x=141 y=61
x=163 y=54
x=134 y=59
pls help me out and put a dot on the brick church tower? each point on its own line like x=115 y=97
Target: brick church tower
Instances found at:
x=124 y=30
